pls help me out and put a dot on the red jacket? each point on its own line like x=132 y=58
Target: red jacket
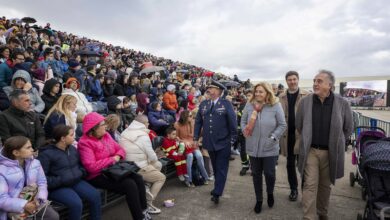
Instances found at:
x=170 y=147
x=97 y=154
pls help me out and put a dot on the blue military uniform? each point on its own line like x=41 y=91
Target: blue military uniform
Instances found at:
x=219 y=125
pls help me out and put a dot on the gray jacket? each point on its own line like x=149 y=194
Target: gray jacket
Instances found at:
x=341 y=127
x=37 y=104
x=270 y=121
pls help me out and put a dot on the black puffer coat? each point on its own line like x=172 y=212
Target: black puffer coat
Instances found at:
x=62 y=168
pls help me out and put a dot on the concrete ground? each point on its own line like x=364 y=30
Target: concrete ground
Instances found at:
x=239 y=199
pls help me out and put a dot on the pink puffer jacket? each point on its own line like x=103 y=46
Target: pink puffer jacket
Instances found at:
x=97 y=154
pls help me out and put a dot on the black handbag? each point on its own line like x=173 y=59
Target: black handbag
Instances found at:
x=120 y=170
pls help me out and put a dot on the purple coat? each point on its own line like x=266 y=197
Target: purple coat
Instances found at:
x=12 y=182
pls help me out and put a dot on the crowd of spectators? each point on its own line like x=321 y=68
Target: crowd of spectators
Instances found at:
x=55 y=88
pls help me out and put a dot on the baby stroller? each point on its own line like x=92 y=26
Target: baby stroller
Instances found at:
x=376 y=166
x=364 y=134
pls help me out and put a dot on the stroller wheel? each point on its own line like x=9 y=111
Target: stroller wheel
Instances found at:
x=351 y=179
x=359 y=217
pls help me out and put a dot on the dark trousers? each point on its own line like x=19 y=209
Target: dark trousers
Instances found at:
x=220 y=163
x=266 y=165
x=244 y=157
x=291 y=163
x=133 y=187
x=72 y=197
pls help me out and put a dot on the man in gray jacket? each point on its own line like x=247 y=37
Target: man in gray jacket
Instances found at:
x=324 y=121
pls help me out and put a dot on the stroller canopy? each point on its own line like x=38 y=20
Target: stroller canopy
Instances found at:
x=377 y=155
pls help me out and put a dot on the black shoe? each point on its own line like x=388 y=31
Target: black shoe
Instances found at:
x=243 y=171
x=270 y=200
x=215 y=199
x=258 y=206
x=293 y=195
x=212 y=192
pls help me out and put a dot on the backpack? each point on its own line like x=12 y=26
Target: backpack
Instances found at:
x=197 y=178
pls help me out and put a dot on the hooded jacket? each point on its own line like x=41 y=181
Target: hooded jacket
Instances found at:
x=47 y=97
x=36 y=102
x=12 y=179
x=137 y=145
x=62 y=167
x=97 y=154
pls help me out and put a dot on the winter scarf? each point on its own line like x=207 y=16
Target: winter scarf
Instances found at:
x=252 y=121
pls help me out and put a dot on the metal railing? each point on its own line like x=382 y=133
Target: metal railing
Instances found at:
x=373 y=122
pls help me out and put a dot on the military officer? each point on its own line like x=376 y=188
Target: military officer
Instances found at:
x=218 y=120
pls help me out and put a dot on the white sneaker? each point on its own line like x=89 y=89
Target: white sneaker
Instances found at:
x=181 y=178
x=211 y=178
x=146 y=214
x=153 y=210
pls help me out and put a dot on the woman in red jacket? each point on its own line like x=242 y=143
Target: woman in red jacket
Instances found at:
x=98 y=151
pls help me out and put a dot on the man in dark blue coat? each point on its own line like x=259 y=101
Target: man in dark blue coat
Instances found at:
x=218 y=120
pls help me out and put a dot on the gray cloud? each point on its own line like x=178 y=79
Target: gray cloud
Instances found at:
x=255 y=39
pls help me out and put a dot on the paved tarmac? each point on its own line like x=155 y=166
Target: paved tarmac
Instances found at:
x=381 y=115
x=239 y=199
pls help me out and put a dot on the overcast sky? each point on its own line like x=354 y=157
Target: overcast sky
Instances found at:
x=258 y=39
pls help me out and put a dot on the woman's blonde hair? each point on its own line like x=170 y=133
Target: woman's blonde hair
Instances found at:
x=270 y=98
x=112 y=121
x=61 y=107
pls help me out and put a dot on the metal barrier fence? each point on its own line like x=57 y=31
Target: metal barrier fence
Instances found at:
x=373 y=122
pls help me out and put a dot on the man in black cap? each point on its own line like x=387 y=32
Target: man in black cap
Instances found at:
x=218 y=120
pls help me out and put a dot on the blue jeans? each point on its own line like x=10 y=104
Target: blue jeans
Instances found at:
x=72 y=197
x=199 y=159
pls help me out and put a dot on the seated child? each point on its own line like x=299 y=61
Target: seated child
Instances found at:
x=177 y=153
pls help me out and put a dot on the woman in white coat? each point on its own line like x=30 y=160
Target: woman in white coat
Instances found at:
x=138 y=146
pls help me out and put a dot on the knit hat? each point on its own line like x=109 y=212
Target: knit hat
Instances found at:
x=70 y=80
x=91 y=120
x=171 y=87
